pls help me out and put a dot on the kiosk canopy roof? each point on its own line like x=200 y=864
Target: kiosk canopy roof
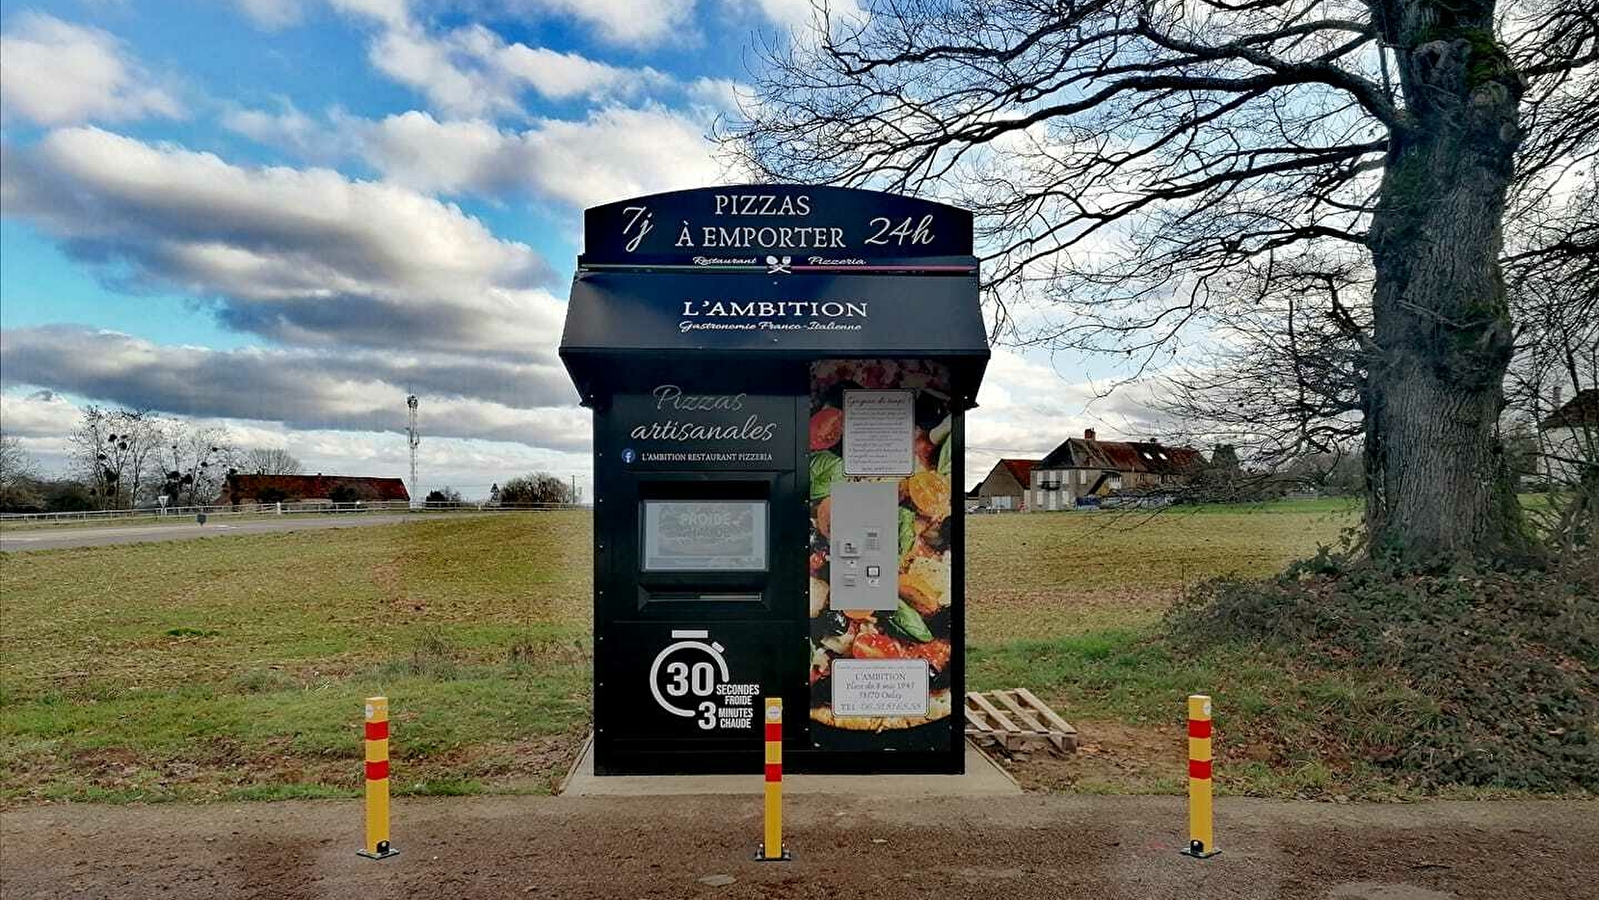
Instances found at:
x=896 y=280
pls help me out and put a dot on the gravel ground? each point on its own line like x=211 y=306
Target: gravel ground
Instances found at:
x=1106 y=848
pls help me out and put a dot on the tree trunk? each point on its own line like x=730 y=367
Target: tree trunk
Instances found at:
x=1438 y=481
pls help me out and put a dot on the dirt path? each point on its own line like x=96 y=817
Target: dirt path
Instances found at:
x=1107 y=848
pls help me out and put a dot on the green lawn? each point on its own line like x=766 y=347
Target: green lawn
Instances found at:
x=1044 y=574
x=235 y=667
x=238 y=665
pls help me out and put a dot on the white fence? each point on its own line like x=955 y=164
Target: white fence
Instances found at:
x=301 y=507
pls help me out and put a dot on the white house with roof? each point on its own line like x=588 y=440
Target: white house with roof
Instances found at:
x=1086 y=467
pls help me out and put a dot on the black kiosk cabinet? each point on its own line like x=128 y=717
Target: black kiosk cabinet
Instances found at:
x=778 y=376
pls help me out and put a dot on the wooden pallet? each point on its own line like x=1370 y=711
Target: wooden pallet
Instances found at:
x=1016 y=720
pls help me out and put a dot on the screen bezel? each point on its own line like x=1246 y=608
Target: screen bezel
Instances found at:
x=762 y=542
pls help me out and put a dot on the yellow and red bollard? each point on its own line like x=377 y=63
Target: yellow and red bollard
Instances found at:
x=377 y=780
x=772 y=849
x=1201 y=837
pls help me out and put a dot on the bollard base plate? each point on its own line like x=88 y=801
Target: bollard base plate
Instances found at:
x=1197 y=851
x=760 y=855
x=384 y=852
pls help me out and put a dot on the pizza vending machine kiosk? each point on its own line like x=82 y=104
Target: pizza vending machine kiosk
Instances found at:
x=778 y=376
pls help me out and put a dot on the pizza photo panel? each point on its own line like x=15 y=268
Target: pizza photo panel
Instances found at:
x=911 y=624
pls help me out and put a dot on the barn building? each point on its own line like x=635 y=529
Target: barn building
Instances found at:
x=242 y=489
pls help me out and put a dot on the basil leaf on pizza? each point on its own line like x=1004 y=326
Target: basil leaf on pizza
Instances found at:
x=907 y=623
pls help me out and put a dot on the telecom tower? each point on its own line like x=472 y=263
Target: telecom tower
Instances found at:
x=414 y=437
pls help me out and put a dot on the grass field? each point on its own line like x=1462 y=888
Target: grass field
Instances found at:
x=1047 y=574
x=235 y=667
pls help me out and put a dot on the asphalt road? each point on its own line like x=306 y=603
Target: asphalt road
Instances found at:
x=20 y=539
x=992 y=848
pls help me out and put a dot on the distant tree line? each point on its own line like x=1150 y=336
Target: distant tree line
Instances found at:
x=446 y=497
x=128 y=459
x=532 y=489
x=536 y=488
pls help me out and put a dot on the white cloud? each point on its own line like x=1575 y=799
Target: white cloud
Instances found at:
x=562 y=76
x=306 y=137
x=1026 y=408
x=629 y=23
x=788 y=12
x=421 y=152
x=471 y=71
x=308 y=257
x=411 y=57
x=719 y=95
x=615 y=152
x=801 y=16
x=37 y=414
x=55 y=73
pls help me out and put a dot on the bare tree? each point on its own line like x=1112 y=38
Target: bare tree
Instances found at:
x=1133 y=162
x=1284 y=373
x=270 y=461
x=113 y=451
x=1561 y=365
x=18 y=471
x=195 y=463
x=1557 y=298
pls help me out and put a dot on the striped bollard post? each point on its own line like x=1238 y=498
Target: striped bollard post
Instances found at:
x=772 y=849
x=377 y=780
x=1201 y=837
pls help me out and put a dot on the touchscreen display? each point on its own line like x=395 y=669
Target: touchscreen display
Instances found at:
x=704 y=536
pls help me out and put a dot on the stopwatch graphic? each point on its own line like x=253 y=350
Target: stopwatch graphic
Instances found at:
x=693 y=665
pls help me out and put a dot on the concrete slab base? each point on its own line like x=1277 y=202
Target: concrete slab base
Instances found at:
x=983 y=778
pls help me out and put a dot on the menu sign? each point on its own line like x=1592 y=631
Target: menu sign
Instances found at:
x=879 y=432
x=704 y=536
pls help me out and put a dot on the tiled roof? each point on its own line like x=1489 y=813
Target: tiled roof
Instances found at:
x=1123 y=456
x=1020 y=469
x=1583 y=410
x=241 y=488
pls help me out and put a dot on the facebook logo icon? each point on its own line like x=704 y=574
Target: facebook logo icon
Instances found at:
x=628 y=456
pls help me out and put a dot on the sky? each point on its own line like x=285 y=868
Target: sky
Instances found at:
x=280 y=217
